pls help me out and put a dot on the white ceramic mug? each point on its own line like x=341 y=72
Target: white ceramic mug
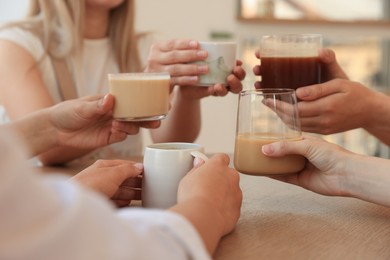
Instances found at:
x=221 y=60
x=165 y=164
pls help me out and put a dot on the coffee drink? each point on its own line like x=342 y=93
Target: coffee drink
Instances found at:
x=140 y=96
x=249 y=158
x=290 y=60
x=289 y=72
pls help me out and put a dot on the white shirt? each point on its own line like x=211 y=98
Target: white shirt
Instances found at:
x=96 y=62
x=48 y=217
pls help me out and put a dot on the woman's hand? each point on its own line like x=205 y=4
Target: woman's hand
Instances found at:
x=234 y=85
x=177 y=57
x=118 y=180
x=87 y=123
x=325 y=169
x=330 y=69
x=334 y=171
x=210 y=197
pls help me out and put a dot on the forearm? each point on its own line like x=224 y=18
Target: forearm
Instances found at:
x=41 y=138
x=368 y=178
x=205 y=218
x=36 y=132
x=182 y=123
x=61 y=155
x=379 y=124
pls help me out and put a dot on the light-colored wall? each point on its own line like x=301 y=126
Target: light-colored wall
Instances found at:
x=196 y=19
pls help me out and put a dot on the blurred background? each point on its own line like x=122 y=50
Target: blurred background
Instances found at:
x=358 y=31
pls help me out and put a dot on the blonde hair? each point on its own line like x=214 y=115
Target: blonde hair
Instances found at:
x=60 y=26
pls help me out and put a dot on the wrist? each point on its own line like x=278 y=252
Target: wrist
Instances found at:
x=206 y=219
x=379 y=105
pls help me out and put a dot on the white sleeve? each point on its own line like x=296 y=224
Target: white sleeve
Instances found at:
x=49 y=217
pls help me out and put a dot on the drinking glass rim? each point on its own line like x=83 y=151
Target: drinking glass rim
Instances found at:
x=182 y=146
x=139 y=75
x=292 y=35
x=269 y=91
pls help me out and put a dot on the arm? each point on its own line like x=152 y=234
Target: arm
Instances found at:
x=210 y=198
x=334 y=171
x=84 y=123
x=89 y=222
x=23 y=91
x=340 y=105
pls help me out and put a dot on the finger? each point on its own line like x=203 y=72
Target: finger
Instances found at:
x=132 y=183
x=239 y=72
x=130 y=128
x=277 y=149
x=256 y=70
x=122 y=203
x=234 y=83
x=94 y=106
x=257 y=54
x=220 y=158
x=151 y=124
x=257 y=85
x=127 y=194
x=181 y=56
x=198 y=162
x=185 y=80
x=178 y=69
x=328 y=57
x=317 y=91
x=239 y=63
x=178 y=44
x=219 y=90
x=125 y=169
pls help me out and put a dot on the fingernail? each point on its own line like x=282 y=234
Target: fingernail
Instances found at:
x=267 y=149
x=201 y=54
x=303 y=92
x=198 y=162
x=193 y=44
x=139 y=166
x=193 y=79
x=103 y=100
x=203 y=68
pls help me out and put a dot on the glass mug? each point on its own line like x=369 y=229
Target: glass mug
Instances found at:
x=265 y=116
x=290 y=60
x=140 y=96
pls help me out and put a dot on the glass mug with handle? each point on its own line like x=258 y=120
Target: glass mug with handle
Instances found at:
x=265 y=116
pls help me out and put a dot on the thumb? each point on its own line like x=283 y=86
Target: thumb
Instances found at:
x=330 y=64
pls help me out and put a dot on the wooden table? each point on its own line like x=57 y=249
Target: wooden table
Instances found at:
x=282 y=221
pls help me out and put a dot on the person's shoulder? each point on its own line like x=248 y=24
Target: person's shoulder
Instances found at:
x=24 y=38
x=15 y=32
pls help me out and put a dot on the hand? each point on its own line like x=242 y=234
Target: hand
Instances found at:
x=325 y=169
x=175 y=57
x=336 y=106
x=118 y=180
x=87 y=123
x=218 y=186
x=234 y=85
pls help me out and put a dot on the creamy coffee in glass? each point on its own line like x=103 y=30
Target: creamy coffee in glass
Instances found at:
x=140 y=96
x=266 y=116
